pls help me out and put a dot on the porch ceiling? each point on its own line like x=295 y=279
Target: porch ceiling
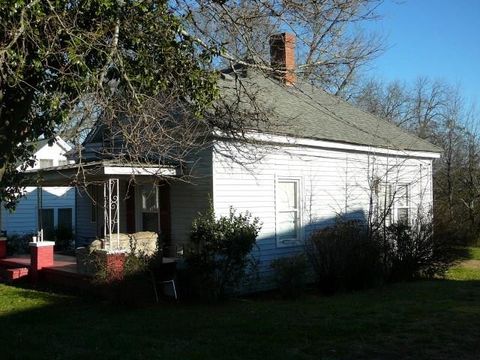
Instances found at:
x=79 y=174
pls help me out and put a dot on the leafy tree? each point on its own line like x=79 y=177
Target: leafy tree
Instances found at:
x=60 y=57
x=131 y=62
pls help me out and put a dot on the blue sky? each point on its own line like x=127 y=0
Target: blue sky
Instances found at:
x=435 y=38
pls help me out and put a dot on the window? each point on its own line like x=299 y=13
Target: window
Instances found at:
x=402 y=210
x=149 y=198
x=62 y=162
x=288 y=212
x=394 y=206
x=385 y=204
x=45 y=163
x=149 y=208
x=65 y=219
x=46 y=223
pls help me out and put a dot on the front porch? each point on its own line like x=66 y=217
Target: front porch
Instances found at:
x=111 y=200
x=63 y=263
x=45 y=266
x=42 y=264
x=119 y=209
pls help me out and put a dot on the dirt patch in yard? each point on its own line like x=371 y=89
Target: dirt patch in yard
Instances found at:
x=470 y=264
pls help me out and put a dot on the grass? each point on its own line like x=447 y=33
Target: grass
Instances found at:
x=420 y=320
x=468 y=269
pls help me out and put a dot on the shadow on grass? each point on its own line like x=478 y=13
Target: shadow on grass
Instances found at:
x=460 y=253
x=419 y=320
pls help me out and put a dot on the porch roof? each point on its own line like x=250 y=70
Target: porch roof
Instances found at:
x=79 y=174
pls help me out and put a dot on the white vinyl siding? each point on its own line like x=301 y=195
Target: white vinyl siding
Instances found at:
x=46 y=163
x=333 y=183
x=189 y=198
x=25 y=217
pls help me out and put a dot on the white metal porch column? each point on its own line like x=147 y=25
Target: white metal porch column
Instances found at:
x=111 y=206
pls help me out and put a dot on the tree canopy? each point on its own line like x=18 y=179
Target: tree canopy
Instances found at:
x=58 y=56
x=131 y=62
x=438 y=112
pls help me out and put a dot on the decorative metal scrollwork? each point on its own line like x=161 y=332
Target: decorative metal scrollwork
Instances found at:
x=111 y=213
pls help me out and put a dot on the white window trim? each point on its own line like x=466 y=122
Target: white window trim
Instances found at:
x=392 y=218
x=395 y=203
x=299 y=240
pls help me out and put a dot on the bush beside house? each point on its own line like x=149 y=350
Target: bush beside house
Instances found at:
x=351 y=256
x=18 y=244
x=346 y=256
x=220 y=258
x=290 y=275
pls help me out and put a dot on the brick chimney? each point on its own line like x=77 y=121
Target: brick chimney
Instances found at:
x=282 y=53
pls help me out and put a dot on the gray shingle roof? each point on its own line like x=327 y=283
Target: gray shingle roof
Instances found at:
x=308 y=112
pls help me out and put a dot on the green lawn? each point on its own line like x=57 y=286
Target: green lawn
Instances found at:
x=475 y=253
x=422 y=320
x=469 y=268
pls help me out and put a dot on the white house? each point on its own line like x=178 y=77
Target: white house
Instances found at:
x=57 y=204
x=320 y=158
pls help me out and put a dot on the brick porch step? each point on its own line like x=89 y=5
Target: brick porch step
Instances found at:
x=12 y=274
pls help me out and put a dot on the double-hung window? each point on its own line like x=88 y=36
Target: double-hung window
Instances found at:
x=150 y=208
x=385 y=204
x=394 y=203
x=288 y=211
x=402 y=199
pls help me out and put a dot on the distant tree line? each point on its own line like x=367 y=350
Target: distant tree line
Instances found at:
x=438 y=112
